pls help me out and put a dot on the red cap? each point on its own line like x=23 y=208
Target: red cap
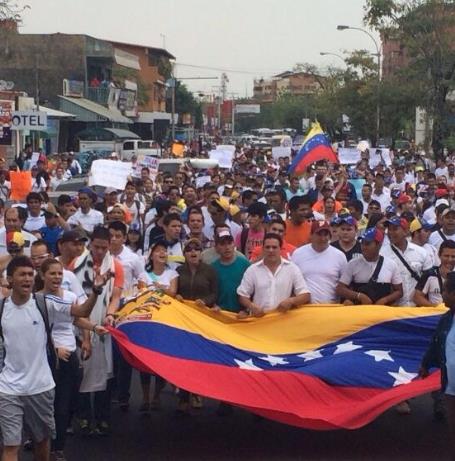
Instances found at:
x=317 y=226
x=404 y=198
x=441 y=193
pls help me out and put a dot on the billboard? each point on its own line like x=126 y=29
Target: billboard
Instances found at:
x=247 y=109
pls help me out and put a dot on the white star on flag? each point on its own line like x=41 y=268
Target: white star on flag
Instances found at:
x=310 y=355
x=379 y=356
x=247 y=365
x=346 y=347
x=274 y=360
x=402 y=376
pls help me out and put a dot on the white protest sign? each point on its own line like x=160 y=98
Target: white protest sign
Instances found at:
x=379 y=155
x=224 y=157
x=227 y=147
x=150 y=162
x=281 y=151
x=348 y=155
x=110 y=173
x=201 y=181
x=34 y=159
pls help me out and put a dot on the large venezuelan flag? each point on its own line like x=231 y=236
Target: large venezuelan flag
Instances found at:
x=318 y=367
x=315 y=147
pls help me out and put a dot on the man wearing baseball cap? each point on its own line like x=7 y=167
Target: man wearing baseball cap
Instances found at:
x=229 y=268
x=411 y=259
x=321 y=264
x=371 y=278
x=420 y=232
x=347 y=236
x=447 y=231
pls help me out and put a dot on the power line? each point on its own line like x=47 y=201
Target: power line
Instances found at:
x=223 y=69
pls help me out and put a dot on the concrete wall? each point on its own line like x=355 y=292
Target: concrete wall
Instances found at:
x=57 y=56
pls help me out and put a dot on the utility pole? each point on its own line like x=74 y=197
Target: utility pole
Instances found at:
x=37 y=96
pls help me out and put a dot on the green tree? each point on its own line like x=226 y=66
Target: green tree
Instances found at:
x=426 y=30
x=185 y=103
x=11 y=11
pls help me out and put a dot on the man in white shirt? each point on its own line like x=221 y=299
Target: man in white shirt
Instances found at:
x=35 y=220
x=133 y=264
x=273 y=283
x=380 y=192
x=219 y=214
x=411 y=259
x=447 y=231
x=14 y=220
x=321 y=264
x=26 y=382
x=86 y=217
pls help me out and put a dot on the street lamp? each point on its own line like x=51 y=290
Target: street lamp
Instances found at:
x=378 y=56
x=326 y=53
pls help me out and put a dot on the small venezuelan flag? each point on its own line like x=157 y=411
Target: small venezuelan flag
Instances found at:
x=315 y=147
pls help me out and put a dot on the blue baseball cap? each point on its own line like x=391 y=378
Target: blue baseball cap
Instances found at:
x=397 y=221
x=349 y=220
x=372 y=234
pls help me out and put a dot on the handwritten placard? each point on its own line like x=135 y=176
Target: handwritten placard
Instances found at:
x=110 y=173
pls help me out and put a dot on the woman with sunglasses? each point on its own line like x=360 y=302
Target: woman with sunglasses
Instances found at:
x=197 y=282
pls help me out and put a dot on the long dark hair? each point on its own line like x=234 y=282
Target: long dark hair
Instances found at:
x=140 y=243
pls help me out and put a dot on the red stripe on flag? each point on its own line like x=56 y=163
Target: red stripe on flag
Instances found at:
x=292 y=398
x=318 y=153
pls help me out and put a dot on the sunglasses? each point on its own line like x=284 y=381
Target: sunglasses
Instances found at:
x=192 y=248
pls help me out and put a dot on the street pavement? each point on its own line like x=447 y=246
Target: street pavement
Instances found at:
x=204 y=436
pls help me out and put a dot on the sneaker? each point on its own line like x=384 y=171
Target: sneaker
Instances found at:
x=103 y=429
x=403 y=408
x=196 y=401
x=84 y=427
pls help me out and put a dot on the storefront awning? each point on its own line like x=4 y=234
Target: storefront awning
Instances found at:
x=125 y=59
x=89 y=111
x=150 y=117
x=53 y=113
x=122 y=134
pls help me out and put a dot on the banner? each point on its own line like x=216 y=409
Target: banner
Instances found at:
x=110 y=173
x=21 y=184
x=348 y=155
x=379 y=155
x=319 y=366
x=224 y=157
x=281 y=151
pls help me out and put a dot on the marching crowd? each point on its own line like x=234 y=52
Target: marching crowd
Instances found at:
x=249 y=240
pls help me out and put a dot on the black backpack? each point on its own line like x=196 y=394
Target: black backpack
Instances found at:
x=40 y=302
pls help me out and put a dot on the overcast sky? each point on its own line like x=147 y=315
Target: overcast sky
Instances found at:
x=255 y=37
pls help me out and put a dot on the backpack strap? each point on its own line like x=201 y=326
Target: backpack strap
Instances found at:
x=414 y=275
x=40 y=301
x=2 y=308
x=444 y=238
x=377 y=269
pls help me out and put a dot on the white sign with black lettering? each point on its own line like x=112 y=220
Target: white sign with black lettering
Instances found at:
x=29 y=120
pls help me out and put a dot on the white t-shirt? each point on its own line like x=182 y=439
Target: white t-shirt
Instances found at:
x=133 y=267
x=360 y=270
x=430 y=286
x=418 y=260
x=136 y=212
x=87 y=220
x=383 y=199
x=34 y=223
x=39 y=185
x=164 y=279
x=71 y=283
x=62 y=320
x=435 y=238
x=321 y=270
x=26 y=369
